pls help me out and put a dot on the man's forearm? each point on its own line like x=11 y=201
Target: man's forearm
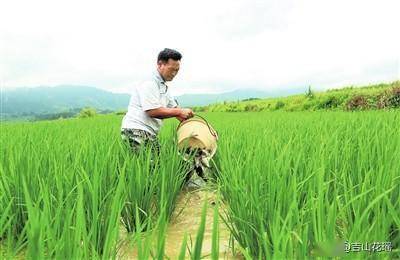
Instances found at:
x=164 y=112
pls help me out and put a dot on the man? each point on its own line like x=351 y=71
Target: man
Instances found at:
x=151 y=102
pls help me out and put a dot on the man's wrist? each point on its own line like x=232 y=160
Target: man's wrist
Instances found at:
x=176 y=111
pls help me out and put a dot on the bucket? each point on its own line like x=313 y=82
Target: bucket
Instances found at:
x=197 y=133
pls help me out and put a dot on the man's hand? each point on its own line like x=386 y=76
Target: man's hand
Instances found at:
x=180 y=118
x=186 y=113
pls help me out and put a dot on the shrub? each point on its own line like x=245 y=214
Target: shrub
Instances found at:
x=328 y=102
x=122 y=112
x=382 y=100
x=394 y=100
x=279 y=105
x=357 y=102
x=250 y=99
x=251 y=107
x=87 y=112
x=389 y=99
x=232 y=108
x=307 y=105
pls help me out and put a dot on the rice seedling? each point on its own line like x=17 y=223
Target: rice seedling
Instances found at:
x=293 y=185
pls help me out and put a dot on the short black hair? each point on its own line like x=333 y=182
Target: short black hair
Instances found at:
x=167 y=54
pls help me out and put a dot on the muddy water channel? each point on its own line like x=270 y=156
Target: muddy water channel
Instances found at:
x=186 y=219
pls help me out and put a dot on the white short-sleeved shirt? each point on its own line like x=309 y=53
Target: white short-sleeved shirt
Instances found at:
x=152 y=93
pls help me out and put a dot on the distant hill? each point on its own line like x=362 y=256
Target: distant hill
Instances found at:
x=68 y=99
x=240 y=94
x=43 y=100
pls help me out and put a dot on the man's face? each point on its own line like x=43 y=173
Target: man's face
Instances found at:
x=168 y=70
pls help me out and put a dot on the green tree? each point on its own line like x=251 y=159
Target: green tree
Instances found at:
x=87 y=112
x=310 y=93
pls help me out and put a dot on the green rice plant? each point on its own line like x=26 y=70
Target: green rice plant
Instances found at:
x=196 y=253
x=293 y=185
x=302 y=180
x=182 y=253
x=215 y=234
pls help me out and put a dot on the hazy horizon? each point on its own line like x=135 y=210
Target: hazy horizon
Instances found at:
x=305 y=87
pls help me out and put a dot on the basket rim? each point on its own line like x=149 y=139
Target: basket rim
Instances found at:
x=191 y=120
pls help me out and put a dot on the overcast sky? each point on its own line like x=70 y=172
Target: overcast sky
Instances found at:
x=225 y=44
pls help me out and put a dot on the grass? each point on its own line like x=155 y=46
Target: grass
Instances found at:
x=381 y=96
x=294 y=185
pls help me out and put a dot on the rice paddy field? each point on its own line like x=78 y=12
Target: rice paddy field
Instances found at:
x=285 y=185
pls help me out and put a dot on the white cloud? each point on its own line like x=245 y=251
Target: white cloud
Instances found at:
x=225 y=44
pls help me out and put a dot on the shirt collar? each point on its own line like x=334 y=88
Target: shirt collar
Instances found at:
x=160 y=81
x=158 y=77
